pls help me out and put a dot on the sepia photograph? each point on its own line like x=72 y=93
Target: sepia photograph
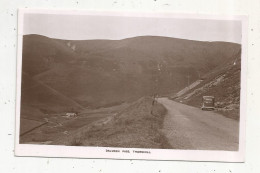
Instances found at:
x=130 y=85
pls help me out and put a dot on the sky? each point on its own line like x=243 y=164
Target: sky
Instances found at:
x=87 y=27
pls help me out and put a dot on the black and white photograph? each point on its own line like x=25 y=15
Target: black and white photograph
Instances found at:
x=130 y=85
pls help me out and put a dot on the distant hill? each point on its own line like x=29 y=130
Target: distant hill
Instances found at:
x=102 y=73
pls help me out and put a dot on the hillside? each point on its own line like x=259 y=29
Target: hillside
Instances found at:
x=103 y=73
x=37 y=97
x=136 y=126
x=223 y=83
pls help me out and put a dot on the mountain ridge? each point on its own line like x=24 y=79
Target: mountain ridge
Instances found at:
x=96 y=73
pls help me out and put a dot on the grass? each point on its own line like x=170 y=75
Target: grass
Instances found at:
x=233 y=114
x=158 y=110
x=27 y=125
x=226 y=92
x=112 y=74
x=137 y=126
x=76 y=142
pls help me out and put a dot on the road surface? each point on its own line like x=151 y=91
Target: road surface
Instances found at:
x=188 y=127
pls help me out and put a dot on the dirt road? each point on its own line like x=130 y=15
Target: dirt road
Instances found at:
x=188 y=127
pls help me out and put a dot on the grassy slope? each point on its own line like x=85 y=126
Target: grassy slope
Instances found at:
x=36 y=95
x=226 y=92
x=58 y=125
x=107 y=72
x=137 y=126
x=40 y=55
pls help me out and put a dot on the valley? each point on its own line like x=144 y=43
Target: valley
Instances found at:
x=112 y=87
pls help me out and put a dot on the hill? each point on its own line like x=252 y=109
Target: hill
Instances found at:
x=223 y=83
x=37 y=100
x=103 y=73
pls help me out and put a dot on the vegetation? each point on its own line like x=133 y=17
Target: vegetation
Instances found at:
x=95 y=73
x=77 y=76
x=137 y=126
x=222 y=83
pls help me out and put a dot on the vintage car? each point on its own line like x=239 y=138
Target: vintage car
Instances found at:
x=208 y=103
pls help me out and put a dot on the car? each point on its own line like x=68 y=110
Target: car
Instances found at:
x=208 y=103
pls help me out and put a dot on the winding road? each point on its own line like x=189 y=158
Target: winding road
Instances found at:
x=187 y=127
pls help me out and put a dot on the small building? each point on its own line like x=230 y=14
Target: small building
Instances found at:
x=71 y=114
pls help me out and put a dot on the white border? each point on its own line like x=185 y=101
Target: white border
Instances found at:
x=155 y=154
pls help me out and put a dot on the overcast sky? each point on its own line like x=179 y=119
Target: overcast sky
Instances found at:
x=83 y=27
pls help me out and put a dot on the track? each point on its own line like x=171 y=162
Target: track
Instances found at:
x=188 y=127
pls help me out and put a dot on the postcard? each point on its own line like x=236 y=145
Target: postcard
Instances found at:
x=131 y=85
